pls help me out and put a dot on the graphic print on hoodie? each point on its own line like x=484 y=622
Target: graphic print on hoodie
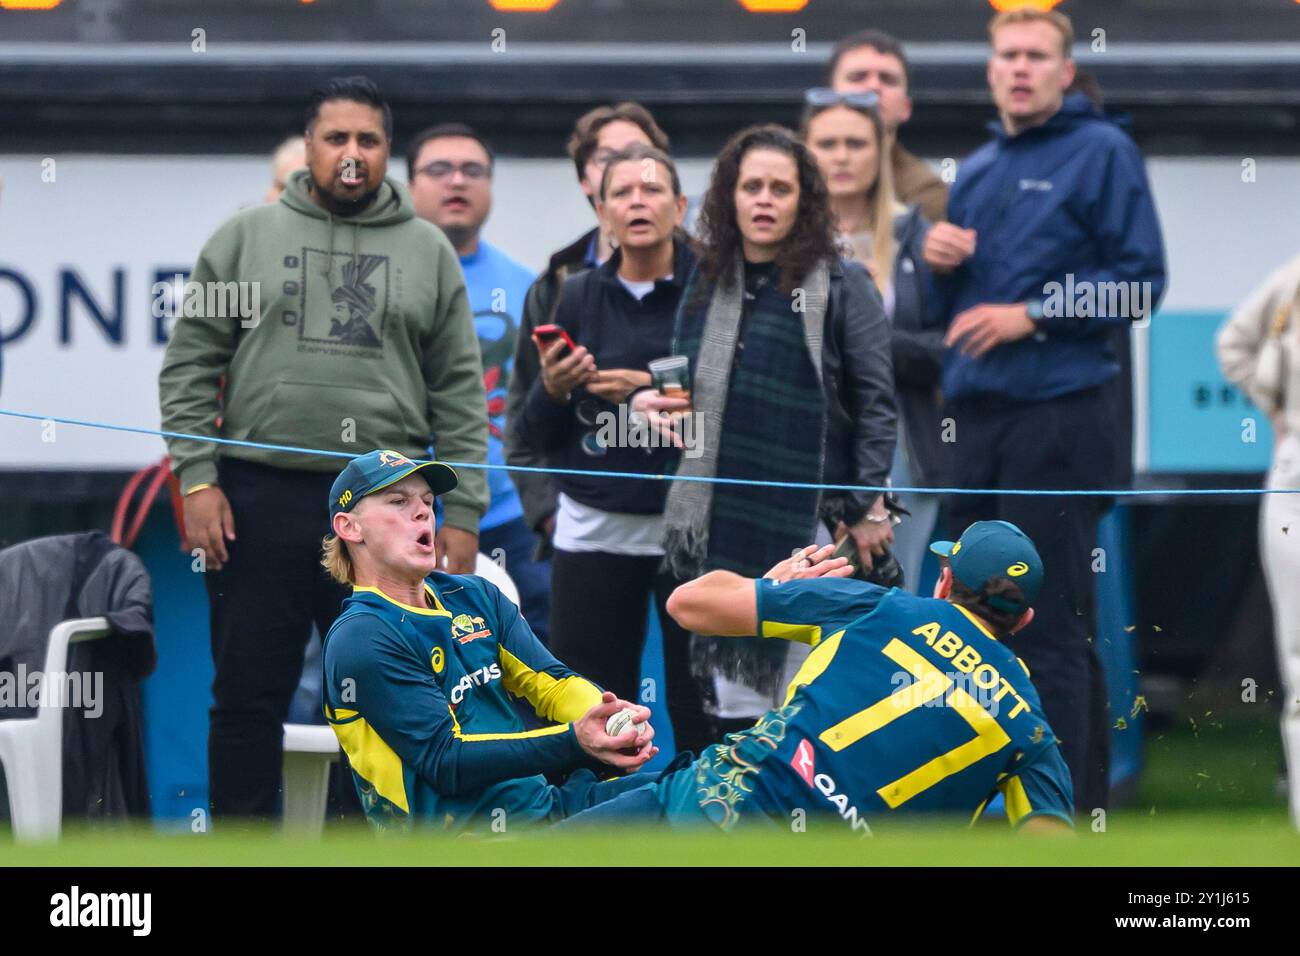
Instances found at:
x=355 y=304
x=365 y=340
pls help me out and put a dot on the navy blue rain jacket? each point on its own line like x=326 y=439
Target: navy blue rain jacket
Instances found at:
x=1069 y=197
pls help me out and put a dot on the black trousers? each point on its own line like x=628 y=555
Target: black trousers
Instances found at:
x=1066 y=442
x=598 y=628
x=263 y=604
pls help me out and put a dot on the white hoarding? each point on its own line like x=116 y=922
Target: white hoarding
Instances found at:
x=84 y=239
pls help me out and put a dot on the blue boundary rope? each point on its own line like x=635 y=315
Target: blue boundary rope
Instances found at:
x=1091 y=492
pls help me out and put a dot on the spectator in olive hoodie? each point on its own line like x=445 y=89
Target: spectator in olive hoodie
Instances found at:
x=363 y=339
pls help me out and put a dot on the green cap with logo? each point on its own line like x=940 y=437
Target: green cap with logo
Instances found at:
x=367 y=474
x=995 y=549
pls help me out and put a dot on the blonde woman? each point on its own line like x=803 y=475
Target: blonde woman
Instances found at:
x=846 y=135
x=1259 y=350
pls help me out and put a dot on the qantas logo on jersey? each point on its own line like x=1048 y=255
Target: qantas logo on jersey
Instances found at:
x=484 y=675
x=824 y=783
x=803 y=761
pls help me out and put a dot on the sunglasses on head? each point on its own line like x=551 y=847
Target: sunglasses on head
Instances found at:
x=824 y=96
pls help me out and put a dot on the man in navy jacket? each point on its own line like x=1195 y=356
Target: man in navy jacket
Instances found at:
x=1052 y=244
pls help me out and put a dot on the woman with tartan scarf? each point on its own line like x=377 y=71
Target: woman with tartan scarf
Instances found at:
x=791 y=379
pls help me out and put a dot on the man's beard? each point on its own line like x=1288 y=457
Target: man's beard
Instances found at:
x=342 y=207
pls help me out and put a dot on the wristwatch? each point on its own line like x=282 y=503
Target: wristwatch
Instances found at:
x=1034 y=310
x=887 y=518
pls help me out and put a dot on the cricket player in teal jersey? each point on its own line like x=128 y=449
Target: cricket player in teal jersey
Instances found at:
x=448 y=707
x=905 y=704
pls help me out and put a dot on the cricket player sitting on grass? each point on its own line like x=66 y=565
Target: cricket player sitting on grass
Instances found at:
x=905 y=704
x=425 y=675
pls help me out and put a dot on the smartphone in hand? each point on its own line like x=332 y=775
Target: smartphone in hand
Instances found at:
x=544 y=335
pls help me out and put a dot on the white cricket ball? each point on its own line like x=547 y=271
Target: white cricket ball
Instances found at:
x=620 y=722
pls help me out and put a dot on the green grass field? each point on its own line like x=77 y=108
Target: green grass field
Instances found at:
x=1252 y=838
x=1208 y=798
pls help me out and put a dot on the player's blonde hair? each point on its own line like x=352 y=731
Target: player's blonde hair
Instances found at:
x=1034 y=15
x=336 y=561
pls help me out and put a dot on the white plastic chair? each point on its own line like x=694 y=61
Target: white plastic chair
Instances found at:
x=309 y=749
x=31 y=748
x=488 y=569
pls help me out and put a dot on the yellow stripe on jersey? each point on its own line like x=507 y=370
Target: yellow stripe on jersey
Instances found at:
x=979 y=811
x=976 y=621
x=814 y=665
x=810 y=634
x=1017 y=801
x=523 y=735
x=931 y=683
x=434 y=594
x=371 y=757
x=556 y=699
x=436 y=611
x=989 y=738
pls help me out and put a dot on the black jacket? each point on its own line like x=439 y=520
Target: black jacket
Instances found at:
x=537 y=490
x=857 y=376
x=918 y=355
x=620 y=332
x=48 y=580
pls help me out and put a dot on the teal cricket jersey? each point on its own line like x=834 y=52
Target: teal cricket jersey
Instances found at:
x=904 y=704
x=426 y=702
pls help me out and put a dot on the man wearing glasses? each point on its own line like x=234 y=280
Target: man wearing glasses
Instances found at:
x=449 y=168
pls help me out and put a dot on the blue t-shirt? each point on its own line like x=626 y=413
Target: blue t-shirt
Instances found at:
x=496 y=285
x=905 y=704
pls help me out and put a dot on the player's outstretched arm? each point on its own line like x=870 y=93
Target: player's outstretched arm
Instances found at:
x=720 y=603
x=724 y=604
